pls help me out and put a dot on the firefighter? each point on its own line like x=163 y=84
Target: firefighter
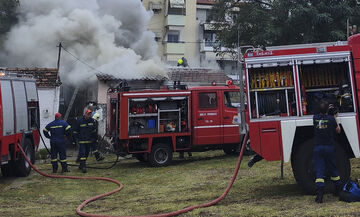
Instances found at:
x=324 y=155
x=58 y=128
x=94 y=145
x=85 y=133
x=182 y=62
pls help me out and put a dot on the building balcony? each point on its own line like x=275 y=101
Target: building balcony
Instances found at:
x=175 y=48
x=175 y=20
x=208 y=46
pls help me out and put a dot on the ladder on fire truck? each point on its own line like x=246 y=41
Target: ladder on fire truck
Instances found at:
x=67 y=113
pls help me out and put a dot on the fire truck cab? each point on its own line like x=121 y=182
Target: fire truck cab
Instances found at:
x=152 y=124
x=285 y=84
x=19 y=121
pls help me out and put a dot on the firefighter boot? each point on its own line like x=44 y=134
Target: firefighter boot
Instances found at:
x=55 y=167
x=319 y=195
x=181 y=155
x=64 y=168
x=83 y=166
x=256 y=158
x=98 y=156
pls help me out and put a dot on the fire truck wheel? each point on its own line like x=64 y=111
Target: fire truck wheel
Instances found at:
x=301 y=163
x=161 y=155
x=142 y=157
x=22 y=166
x=230 y=150
x=7 y=170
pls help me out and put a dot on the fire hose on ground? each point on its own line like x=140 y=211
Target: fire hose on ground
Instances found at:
x=120 y=186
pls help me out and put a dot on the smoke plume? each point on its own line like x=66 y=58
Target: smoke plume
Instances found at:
x=110 y=35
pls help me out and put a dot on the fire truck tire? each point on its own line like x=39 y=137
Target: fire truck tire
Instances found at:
x=7 y=170
x=141 y=157
x=161 y=155
x=22 y=166
x=230 y=150
x=301 y=163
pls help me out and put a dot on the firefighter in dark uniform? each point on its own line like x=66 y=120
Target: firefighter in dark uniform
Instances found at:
x=57 y=129
x=324 y=155
x=85 y=132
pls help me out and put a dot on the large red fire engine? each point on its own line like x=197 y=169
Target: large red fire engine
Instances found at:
x=152 y=124
x=284 y=85
x=19 y=120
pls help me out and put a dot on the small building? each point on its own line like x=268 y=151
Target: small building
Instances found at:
x=48 y=84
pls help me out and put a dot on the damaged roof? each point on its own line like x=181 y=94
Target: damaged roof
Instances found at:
x=197 y=75
x=107 y=77
x=45 y=77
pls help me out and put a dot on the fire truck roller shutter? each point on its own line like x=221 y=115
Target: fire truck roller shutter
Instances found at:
x=31 y=92
x=20 y=106
x=7 y=108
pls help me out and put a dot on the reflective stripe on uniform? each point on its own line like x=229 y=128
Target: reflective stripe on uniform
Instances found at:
x=83 y=125
x=75 y=132
x=320 y=180
x=85 y=142
x=90 y=124
x=45 y=130
x=67 y=128
x=337 y=178
x=53 y=127
x=96 y=151
x=83 y=158
x=53 y=160
x=62 y=161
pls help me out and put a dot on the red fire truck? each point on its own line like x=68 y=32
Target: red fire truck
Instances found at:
x=19 y=119
x=152 y=124
x=284 y=85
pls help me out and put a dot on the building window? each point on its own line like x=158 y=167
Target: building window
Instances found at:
x=209 y=38
x=173 y=37
x=177 y=7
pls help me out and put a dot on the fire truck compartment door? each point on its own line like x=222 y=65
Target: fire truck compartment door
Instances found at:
x=270 y=134
x=207 y=122
x=7 y=108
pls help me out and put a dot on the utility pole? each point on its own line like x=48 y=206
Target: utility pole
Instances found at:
x=58 y=62
x=241 y=84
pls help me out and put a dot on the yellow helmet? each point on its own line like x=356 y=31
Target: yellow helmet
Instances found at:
x=180 y=61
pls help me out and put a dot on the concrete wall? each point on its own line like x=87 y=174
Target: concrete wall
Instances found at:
x=191 y=47
x=49 y=105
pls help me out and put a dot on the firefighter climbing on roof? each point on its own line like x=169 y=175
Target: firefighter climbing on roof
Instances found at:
x=324 y=156
x=85 y=132
x=182 y=62
x=57 y=129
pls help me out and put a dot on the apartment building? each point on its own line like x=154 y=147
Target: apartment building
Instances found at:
x=181 y=30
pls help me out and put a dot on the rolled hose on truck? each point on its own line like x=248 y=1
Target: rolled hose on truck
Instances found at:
x=120 y=186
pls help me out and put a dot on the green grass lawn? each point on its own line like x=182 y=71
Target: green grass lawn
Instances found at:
x=258 y=191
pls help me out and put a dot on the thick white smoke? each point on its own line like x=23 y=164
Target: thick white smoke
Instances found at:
x=110 y=35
